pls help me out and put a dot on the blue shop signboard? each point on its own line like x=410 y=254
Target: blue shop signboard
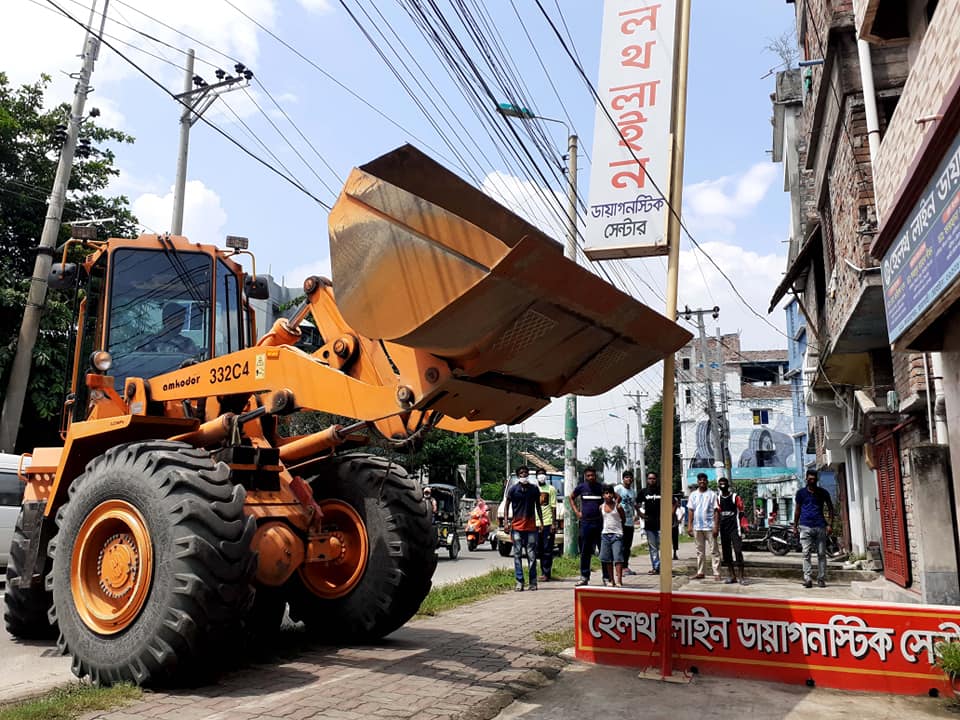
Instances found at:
x=924 y=260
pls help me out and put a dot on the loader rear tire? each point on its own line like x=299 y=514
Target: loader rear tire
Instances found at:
x=25 y=608
x=400 y=553
x=151 y=565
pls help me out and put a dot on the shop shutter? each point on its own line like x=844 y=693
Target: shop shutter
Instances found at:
x=896 y=549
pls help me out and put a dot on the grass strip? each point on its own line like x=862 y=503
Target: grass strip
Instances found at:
x=71 y=701
x=494 y=582
x=556 y=641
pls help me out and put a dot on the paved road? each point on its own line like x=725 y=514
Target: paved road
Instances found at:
x=468 y=564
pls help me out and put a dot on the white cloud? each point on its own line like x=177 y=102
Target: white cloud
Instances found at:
x=203 y=215
x=35 y=39
x=316 y=6
x=294 y=277
x=715 y=205
x=755 y=277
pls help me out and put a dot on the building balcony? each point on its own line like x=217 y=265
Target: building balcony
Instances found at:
x=864 y=327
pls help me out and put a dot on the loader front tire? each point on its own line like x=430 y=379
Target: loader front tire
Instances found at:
x=25 y=608
x=400 y=553
x=151 y=564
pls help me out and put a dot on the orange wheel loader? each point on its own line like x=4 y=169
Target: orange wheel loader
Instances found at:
x=175 y=515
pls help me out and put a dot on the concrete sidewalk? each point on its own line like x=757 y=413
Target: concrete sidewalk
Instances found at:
x=477 y=660
x=467 y=663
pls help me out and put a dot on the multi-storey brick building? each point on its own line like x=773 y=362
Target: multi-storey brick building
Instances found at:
x=842 y=131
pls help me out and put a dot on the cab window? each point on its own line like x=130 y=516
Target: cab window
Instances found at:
x=229 y=336
x=159 y=311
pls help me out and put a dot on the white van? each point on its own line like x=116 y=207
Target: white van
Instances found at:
x=11 y=495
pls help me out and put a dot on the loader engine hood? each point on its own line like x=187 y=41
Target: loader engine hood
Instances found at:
x=423 y=259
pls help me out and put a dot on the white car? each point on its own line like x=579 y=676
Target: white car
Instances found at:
x=11 y=495
x=504 y=541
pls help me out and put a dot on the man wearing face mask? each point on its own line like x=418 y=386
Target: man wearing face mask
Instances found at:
x=523 y=499
x=726 y=522
x=548 y=530
x=808 y=520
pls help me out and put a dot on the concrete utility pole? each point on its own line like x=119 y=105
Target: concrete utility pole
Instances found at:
x=30 y=325
x=571 y=532
x=507 y=461
x=641 y=447
x=476 y=460
x=708 y=382
x=725 y=423
x=196 y=101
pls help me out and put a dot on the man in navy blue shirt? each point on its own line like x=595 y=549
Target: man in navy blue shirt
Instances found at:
x=588 y=514
x=809 y=521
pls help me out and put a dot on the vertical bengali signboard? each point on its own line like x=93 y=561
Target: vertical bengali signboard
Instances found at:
x=861 y=646
x=924 y=261
x=626 y=213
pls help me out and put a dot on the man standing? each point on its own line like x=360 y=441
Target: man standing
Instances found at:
x=548 y=531
x=700 y=507
x=726 y=522
x=628 y=501
x=524 y=499
x=590 y=493
x=809 y=521
x=648 y=503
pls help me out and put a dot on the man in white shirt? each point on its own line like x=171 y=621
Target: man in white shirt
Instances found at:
x=700 y=506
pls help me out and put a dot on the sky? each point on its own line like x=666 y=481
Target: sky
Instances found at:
x=339 y=82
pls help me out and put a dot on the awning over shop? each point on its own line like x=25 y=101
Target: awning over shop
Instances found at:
x=801 y=264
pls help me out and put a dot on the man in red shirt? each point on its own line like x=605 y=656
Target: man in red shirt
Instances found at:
x=523 y=504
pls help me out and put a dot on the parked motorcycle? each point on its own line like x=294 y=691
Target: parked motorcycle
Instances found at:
x=478 y=528
x=781 y=539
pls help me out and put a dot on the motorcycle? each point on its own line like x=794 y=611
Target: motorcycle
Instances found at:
x=781 y=539
x=478 y=528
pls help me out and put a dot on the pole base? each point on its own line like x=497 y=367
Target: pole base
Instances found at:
x=675 y=677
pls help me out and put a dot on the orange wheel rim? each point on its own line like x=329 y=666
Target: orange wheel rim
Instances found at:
x=111 y=567
x=335 y=578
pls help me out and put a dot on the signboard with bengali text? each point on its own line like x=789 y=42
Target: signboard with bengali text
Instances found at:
x=635 y=87
x=924 y=261
x=836 y=644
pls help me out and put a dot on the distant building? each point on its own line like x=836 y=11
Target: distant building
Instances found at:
x=282 y=303
x=803 y=455
x=752 y=392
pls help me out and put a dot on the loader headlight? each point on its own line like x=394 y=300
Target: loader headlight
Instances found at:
x=101 y=360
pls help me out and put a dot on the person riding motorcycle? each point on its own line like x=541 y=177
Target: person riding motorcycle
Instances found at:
x=478 y=525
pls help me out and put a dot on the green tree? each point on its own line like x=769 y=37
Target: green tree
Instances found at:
x=653 y=432
x=29 y=150
x=599 y=459
x=618 y=459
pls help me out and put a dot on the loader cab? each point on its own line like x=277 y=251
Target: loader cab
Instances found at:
x=156 y=307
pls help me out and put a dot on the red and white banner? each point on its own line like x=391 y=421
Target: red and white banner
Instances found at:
x=635 y=85
x=868 y=646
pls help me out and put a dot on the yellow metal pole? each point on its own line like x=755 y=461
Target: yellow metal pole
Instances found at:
x=675 y=200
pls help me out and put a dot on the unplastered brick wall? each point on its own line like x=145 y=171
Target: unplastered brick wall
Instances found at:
x=851 y=207
x=909 y=377
x=908 y=438
x=936 y=66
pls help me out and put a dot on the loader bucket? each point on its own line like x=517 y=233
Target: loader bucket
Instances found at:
x=423 y=259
